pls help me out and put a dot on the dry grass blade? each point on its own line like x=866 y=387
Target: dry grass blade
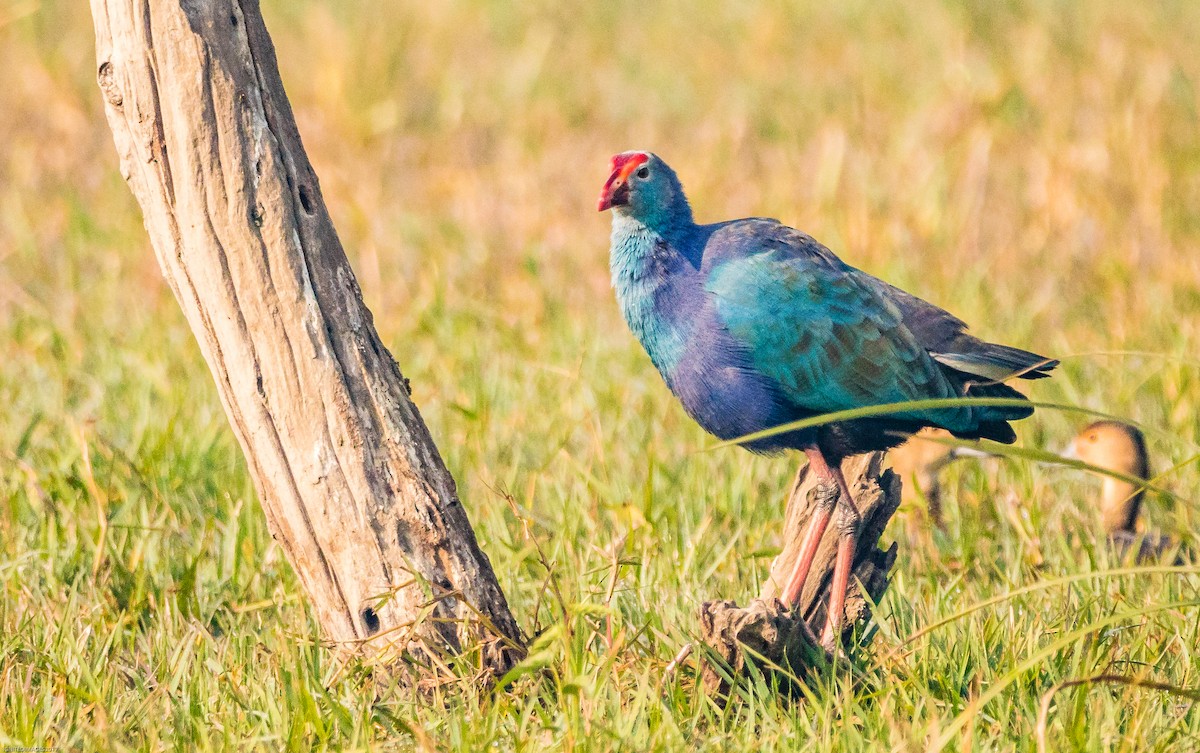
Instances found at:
x=1033 y=588
x=950 y=731
x=1192 y=694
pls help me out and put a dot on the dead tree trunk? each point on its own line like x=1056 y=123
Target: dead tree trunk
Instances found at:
x=769 y=633
x=353 y=488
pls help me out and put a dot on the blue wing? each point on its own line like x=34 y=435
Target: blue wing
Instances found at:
x=823 y=332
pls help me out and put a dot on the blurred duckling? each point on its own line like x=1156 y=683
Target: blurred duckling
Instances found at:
x=919 y=463
x=1111 y=445
x=1119 y=447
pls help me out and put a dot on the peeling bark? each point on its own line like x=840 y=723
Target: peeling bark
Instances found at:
x=353 y=488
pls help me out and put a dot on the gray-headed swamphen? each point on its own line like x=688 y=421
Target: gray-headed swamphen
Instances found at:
x=753 y=325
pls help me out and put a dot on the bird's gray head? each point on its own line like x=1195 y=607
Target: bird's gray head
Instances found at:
x=643 y=187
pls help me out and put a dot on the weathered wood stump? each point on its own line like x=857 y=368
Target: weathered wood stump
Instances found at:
x=351 y=483
x=771 y=636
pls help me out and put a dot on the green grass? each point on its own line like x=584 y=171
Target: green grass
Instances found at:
x=1034 y=167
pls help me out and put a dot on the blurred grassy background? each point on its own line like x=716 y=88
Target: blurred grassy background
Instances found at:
x=1032 y=166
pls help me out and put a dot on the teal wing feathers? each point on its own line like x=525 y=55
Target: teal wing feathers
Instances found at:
x=827 y=337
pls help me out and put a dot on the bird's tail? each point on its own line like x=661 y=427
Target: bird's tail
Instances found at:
x=993 y=420
x=999 y=412
x=996 y=362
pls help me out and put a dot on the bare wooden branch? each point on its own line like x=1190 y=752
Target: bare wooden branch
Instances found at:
x=770 y=631
x=352 y=485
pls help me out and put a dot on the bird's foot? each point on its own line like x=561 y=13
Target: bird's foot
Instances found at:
x=825 y=495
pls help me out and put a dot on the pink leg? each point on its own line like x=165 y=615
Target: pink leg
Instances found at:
x=848 y=523
x=827 y=491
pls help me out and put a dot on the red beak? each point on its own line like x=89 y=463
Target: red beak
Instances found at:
x=616 y=189
x=615 y=192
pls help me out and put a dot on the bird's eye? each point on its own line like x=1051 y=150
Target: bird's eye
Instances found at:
x=643 y=173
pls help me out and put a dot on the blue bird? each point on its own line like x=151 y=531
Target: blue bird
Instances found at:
x=753 y=324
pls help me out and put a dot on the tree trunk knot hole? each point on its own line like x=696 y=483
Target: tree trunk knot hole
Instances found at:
x=106 y=77
x=370 y=621
x=306 y=199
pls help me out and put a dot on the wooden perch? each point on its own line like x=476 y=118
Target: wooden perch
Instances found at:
x=353 y=488
x=765 y=631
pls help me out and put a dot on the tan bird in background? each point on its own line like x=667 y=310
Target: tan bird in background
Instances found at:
x=1119 y=447
x=1111 y=445
x=919 y=463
